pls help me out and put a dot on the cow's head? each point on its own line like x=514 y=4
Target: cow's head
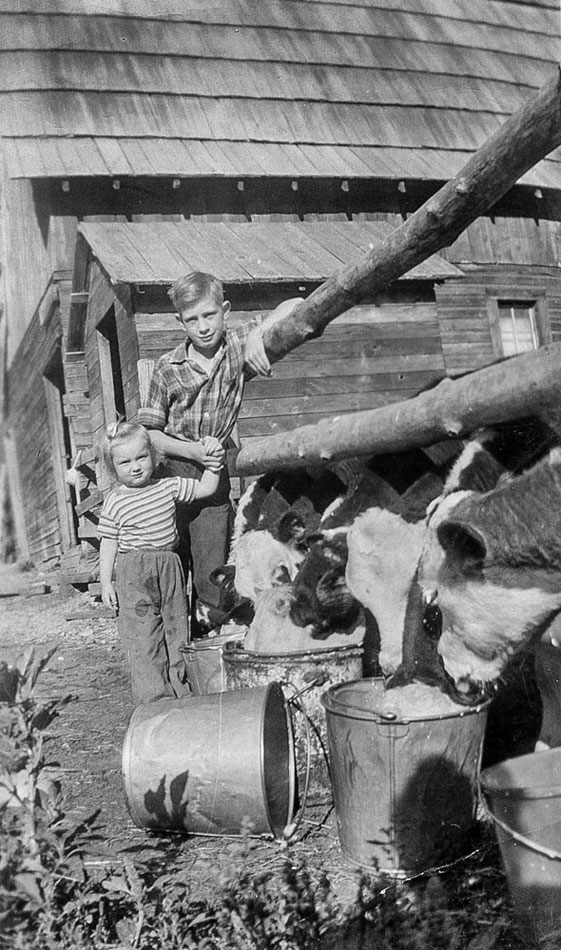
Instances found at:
x=320 y=593
x=264 y=559
x=492 y=565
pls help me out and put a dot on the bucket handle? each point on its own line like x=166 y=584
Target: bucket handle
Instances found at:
x=521 y=839
x=294 y=700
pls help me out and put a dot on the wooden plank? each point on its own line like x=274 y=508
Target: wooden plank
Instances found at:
x=319 y=405
x=258 y=389
x=287 y=369
x=94 y=500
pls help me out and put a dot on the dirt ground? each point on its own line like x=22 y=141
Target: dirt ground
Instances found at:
x=87 y=738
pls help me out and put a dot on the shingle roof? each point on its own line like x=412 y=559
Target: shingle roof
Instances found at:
x=385 y=88
x=159 y=252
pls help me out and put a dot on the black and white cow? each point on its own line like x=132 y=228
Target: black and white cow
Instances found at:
x=486 y=564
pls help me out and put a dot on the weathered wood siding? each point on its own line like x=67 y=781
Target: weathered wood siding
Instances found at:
x=465 y=319
x=101 y=300
x=28 y=419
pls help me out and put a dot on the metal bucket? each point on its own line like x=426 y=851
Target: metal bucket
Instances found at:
x=307 y=675
x=203 y=663
x=405 y=790
x=523 y=798
x=214 y=765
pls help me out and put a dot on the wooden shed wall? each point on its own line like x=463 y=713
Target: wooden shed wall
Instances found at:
x=465 y=317
x=28 y=418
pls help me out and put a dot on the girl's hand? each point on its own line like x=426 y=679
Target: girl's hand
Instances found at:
x=109 y=596
x=213 y=453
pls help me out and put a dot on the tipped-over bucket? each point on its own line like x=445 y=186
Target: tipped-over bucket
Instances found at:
x=307 y=674
x=405 y=791
x=216 y=764
x=523 y=797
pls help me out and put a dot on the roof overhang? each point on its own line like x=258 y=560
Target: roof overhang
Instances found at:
x=309 y=251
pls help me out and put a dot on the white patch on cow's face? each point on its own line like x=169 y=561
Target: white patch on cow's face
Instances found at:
x=240 y=519
x=484 y=625
x=262 y=562
x=383 y=555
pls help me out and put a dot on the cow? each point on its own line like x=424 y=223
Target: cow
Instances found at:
x=492 y=563
x=462 y=593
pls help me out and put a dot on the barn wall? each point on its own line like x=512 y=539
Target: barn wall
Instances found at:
x=29 y=421
x=464 y=310
x=29 y=272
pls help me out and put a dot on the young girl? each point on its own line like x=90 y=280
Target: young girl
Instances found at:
x=138 y=538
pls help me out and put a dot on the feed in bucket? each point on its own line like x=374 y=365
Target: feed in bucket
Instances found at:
x=404 y=789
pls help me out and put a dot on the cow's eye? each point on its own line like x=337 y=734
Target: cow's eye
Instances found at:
x=432 y=621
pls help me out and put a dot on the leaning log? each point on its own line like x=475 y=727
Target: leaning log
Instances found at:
x=522 y=140
x=522 y=386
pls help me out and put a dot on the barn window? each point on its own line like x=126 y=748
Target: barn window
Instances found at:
x=518 y=325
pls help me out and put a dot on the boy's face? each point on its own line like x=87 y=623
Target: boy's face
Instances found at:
x=133 y=464
x=204 y=322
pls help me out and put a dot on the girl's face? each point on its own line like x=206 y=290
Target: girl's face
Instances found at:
x=133 y=462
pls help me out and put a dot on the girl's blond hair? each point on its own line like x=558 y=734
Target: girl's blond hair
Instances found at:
x=119 y=432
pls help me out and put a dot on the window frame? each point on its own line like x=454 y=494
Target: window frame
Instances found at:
x=536 y=301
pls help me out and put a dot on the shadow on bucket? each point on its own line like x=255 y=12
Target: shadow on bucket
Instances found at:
x=220 y=764
x=405 y=791
x=522 y=796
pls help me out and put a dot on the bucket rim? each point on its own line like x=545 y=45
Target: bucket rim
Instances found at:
x=336 y=707
x=274 y=690
x=350 y=648
x=516 y=836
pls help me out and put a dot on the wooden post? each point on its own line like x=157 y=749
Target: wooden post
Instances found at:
x=524 y=139
x=525 y=385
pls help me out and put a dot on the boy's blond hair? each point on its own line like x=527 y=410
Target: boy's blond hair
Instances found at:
x=116 y=434
x=193 y=287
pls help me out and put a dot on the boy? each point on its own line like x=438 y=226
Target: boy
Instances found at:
x=195 y=393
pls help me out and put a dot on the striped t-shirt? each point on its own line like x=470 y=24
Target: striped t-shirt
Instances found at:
x=145 y=517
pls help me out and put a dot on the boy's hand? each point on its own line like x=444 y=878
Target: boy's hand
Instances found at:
x=109 y=596
x=255 y=354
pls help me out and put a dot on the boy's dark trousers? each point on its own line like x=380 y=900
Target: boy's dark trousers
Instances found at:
x=152 y=622
x=204 y=529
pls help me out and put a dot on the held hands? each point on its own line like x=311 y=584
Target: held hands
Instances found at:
x=213 y=454
x=109 y=596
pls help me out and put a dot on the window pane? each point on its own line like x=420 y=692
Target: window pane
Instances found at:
x=517 y=327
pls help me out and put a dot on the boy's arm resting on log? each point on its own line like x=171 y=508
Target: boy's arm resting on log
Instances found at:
x=255 y=352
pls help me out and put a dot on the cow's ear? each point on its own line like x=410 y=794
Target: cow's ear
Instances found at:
x=462 y=542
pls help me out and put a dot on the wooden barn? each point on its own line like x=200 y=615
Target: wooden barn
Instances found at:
x=270 y=143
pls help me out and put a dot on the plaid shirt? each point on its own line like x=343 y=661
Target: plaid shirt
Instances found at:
x=185 y=402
